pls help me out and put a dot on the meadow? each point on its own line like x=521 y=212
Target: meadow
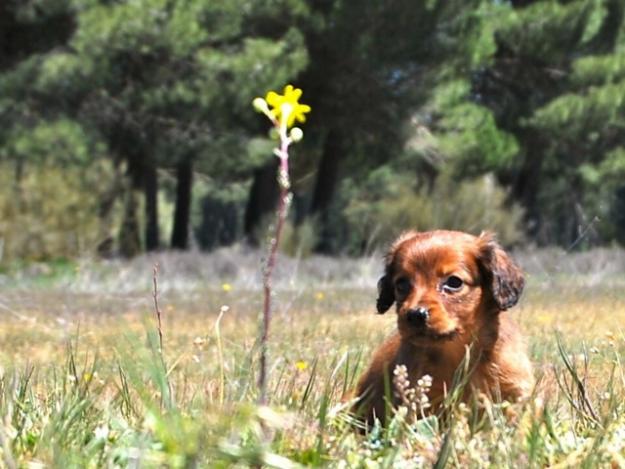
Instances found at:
x=84 y=383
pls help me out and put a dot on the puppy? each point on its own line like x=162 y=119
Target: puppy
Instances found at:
x=451 y=291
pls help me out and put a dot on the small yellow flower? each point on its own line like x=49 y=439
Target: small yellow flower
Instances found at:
x=301 y=365
x=544 y=319
x=319 y=296
x=286 y=107
x=226 y=287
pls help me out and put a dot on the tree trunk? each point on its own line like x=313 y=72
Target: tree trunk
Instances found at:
x=526 y=184
x=261 y=201
x=182 y=213
x=106 y=204
x=129 y=233
x=325 y=188
x=150 y=187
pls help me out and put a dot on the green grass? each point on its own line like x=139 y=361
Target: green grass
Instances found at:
x=82 y=383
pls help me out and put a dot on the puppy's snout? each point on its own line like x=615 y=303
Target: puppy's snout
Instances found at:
x=417 y=317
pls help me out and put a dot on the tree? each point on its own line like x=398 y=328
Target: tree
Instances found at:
x=164 y=81
x=28 y=29
x=544 y=85
x=372 y=67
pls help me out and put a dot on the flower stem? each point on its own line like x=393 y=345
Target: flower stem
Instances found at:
x=282 y=210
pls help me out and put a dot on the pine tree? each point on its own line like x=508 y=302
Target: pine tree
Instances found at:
x=553 y=83
x=168 y=84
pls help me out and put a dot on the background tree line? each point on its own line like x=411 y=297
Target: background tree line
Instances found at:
x=126 y=125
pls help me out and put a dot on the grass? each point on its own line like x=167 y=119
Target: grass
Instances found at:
x=82 y=383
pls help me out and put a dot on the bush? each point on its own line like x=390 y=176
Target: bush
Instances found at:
x=387 y=204
x=50 y=211
x=299 y=240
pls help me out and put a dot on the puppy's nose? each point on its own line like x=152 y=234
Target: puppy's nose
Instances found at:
x=417 y=317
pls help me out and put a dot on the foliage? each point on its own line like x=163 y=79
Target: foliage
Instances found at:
x=158 y=83
x=387 y=204
x=299 y=241
x=48 y=212
x=554 y=85
x=468 y=134
x=529 y=91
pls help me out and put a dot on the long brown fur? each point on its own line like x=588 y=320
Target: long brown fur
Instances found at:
x=473 y=316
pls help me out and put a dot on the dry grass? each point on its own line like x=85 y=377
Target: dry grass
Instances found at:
x=80 y=383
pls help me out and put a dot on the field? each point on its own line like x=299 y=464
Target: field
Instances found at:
x=83 y=383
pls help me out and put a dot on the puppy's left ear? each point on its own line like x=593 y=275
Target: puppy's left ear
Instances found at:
x=501 y=274
x=386 y=294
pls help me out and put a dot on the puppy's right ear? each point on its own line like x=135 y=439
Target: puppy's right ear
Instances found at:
x=386 y=289
x=386 y=294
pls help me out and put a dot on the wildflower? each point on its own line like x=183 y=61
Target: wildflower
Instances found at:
x=414 y=398
x=544 y=319
x=285 y=110
x=286 y=107
x=101 y=433
x=301 y=365
x=199 y=341
x=319 y=296
x=226 y=287
x=150 y=422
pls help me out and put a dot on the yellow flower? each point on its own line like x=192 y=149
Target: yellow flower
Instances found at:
x=301 y=365
x=286 y=107
x=319 y=296
x=226 y=287
x=544 y=319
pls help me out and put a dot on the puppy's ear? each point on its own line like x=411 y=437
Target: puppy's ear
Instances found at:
x=503 y=277
x=386 y=289
x=386 y=294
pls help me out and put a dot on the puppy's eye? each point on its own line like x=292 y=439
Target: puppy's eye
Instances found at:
x=402 y=286
x=453 y=284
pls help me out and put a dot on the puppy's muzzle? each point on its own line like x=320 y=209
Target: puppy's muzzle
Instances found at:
x=418 y=317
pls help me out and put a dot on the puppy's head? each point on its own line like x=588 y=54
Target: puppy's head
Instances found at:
x=447 y=283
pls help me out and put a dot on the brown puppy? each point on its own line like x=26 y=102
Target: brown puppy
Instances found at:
x=451 y=290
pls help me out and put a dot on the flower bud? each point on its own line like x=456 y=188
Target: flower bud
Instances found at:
x=296 y=134
x=260 y=105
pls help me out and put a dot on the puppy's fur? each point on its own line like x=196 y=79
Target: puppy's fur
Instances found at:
x=465 y=283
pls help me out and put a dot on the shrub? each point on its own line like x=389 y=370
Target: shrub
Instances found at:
x=299 y=240
x=387 y=204
x=50 y=211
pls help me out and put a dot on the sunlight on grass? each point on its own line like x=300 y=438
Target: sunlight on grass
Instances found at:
x=81 y=384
